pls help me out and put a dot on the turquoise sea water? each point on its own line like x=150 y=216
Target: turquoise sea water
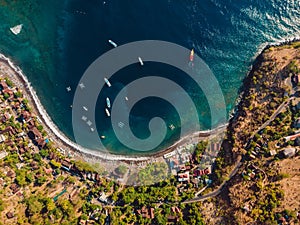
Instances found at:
x=61 y=38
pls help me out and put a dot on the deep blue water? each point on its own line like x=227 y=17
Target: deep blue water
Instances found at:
x=60 y=39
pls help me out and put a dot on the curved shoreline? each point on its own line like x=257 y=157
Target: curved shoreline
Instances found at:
x=61 y=139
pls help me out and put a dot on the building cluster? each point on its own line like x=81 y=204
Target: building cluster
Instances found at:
x=183 y=165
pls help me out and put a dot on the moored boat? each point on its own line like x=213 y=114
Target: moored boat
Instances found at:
x=108 y=102
x=141 y=61
x=192 y=55
x=112 y=43
x=107 y=82
x=16 y=29
x=107 y=112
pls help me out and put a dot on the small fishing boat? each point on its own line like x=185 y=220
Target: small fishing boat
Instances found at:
x=102 y=137
x=192 y=55
x=141 y=61
x=112 y=43
x=107 y=112
x=108 y=102
x=81 y=85
x=107 y=82
x=16 y=29
x=84 y=118
x=68 y=89
x=85 y=108
x=172 y=127
x=126 y=98
x=92 y=129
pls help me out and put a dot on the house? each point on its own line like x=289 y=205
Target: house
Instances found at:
x=273 y=152
x=103 y=198
x=48 y=171
x=175 y=209
x=3 y=154
x=183 y=176
x=66 y=164
x=10 y=215
x=35 y=134
x=9 y=92
x=3 y=85
x=9 y=130
x=14 y=187
x=34 y=165
x=198 y=172
x=11 y=174
x=289 y=152
x=173 y=219
x=146 y=212
x=215 y=147
x=2 y=138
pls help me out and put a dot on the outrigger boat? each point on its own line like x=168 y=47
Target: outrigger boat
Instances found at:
x=107 y=82
x=108 y=102
x=112 y=43
x=192 y=55
x=141 y=61
x=107 y=112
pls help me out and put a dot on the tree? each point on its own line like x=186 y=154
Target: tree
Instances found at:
x=20 y=178
x=34 y=206
x=50 y=205
x=29 y=177
x=41 y=180
x=55 y=164
x=44 y=153
x=66 y=207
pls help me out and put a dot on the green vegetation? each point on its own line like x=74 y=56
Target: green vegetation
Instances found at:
x=153 y=173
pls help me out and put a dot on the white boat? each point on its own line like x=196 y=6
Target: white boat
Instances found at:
x=107 y=82
x=172 y=127
x=112 y=43
x=68 y=89
x=141 y=61
x=89 y=123
x=85 y=108
x=102 y=137
x=108 y=102
x=126 y=98
x=84 y=118
x=16 y=29
x=107 y=112
x=81 y=85
x=92 y=129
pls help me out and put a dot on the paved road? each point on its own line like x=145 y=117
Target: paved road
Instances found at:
x=278 y=110
x=218 y=191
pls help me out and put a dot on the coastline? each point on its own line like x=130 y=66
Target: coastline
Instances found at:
x=234 y=112
x=20 y=79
